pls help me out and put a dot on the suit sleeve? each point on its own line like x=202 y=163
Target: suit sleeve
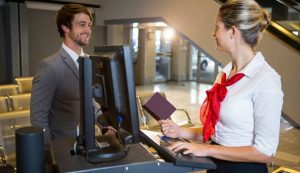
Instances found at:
x=43 y=91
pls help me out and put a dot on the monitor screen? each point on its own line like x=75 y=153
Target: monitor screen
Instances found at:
x=107 y=77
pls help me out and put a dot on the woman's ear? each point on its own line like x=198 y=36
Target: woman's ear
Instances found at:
x=233 y=32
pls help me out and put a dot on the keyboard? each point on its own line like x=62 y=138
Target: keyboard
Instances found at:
x=161 y=143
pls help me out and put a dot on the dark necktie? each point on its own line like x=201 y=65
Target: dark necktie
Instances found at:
x=78 y=62
x=210 y=109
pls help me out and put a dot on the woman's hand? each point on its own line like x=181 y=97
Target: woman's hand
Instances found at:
x=169 y=128
x=191 y=148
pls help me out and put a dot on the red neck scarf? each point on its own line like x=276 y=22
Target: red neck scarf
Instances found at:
x=210 y=109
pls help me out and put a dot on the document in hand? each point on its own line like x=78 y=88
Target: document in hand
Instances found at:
x=159 y=107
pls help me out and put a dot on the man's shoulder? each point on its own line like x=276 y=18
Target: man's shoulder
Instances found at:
x=53 y=59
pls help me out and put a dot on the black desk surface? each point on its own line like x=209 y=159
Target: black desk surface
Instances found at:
x=137 y=160
x=66 y=162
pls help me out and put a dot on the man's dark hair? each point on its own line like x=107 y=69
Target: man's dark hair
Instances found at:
x=66 y=15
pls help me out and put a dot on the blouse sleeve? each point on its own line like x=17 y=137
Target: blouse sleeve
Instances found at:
x=267 y=102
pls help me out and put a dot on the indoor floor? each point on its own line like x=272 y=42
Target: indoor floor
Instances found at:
x=190 y=95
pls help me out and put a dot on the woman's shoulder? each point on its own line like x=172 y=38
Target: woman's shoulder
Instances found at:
x=268 y=78
x=267 y=71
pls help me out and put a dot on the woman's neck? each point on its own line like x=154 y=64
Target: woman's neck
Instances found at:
x=240 y=59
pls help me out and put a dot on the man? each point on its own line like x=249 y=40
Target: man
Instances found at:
x=55 y=104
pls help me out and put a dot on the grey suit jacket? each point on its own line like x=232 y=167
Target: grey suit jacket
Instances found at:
x=55 y=102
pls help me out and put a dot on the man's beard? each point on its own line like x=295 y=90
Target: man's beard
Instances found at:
x=82 y=43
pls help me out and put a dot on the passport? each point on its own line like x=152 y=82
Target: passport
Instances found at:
x=159 y=107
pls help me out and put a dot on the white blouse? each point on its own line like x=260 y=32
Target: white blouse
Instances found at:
x=250 y=113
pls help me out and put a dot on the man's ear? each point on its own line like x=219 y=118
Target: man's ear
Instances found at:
x=65 y=28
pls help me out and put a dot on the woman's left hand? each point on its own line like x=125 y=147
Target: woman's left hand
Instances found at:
x=191 y=148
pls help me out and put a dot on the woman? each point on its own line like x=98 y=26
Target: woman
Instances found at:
x=241 y=114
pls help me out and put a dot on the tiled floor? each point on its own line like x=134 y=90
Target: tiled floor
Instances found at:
x=190 y=95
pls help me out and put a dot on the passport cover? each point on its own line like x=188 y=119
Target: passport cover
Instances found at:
x=159 y=107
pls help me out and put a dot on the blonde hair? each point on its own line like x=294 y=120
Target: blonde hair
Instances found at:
x=247 y=16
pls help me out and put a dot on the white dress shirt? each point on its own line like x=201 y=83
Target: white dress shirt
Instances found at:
x=250 y=113
x=73 y=54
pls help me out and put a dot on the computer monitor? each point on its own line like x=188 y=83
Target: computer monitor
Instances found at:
x=113 y=75
x=107 y=77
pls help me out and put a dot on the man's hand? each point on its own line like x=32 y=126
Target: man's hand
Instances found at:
x=109 y=130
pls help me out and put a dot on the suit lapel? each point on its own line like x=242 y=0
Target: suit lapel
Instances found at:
x=69 y=62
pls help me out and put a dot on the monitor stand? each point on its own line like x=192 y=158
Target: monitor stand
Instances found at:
x=99 y=149
x=108 y=148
